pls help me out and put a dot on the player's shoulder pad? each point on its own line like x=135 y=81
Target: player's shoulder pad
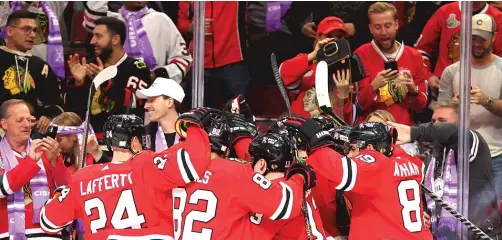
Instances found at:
x=238 y=160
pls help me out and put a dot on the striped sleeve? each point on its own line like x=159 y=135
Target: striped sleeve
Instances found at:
x=4 y=186
x=473 y=152
x=95 y=10
x=51 y=219
x=182 y=163
x=178 y=57
x=14 y=179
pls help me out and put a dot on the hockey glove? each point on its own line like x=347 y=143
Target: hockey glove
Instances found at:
x=240 y=106
x=197 y=116
x=312 y=131
x=309 y=178
x=239 y=128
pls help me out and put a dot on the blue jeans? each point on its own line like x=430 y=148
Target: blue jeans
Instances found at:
x=224 y=83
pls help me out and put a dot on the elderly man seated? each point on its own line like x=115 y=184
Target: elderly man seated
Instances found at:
x=24 y=183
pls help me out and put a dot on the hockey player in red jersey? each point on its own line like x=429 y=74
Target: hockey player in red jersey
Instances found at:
x=125 y=193
x=218 y=205
x=272 y=154
x=384 y=190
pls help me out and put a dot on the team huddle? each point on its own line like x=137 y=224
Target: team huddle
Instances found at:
x=273 y=190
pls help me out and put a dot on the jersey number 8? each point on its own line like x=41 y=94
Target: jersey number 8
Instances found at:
x=410 y=206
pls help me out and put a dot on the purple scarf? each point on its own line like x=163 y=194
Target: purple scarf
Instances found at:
x=55 y=52
x=160 y=140
x=79 y=130
x=443 y=223
x=15 y=201
x=275 y=11
x=137 y=44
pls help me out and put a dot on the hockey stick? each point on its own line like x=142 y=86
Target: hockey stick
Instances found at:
x=282 y=89
x=279 y=82
x=456 y=214
x=322 y=92
x=103 y=76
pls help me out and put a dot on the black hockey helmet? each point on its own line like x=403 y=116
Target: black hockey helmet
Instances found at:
x=327 y=123
x=120 y=129
x=218 y=132
x=341 y=137
x=379 y=135
x=293 y=134
x=276 y=149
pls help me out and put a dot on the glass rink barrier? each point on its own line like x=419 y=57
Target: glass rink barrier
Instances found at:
x=455 y=212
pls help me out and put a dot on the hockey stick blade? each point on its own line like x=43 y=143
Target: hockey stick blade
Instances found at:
x=280 y=83
x=322 y=92
x=452 y=211
x=103 y=76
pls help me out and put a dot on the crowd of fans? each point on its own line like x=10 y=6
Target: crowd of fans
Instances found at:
x=51 y=51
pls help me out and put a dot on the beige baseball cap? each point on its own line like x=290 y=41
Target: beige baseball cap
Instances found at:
x=483 y=25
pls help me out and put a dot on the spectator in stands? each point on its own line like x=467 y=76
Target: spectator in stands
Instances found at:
x=225 y=71
x=163 y=105
x=400 y=91
x=25 y=76
x=486 y=106
x=151 y=36
x=298 y=73
x=303 y=27
x=70 y=138
x=116 y=96
x=444 y=136
x=25 y=185
x=439 y=31
x=48 y=42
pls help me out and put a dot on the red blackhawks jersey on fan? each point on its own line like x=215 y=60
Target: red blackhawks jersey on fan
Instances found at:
x=218 y=205
x=291 y=228
x=385 y=192
x=129 y=194
x=373 y=60
x=442 y=32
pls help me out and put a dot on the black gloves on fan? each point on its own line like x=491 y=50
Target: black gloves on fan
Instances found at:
x=199 y=116
x=240 y=106
x=239 y=127
x=306 y=171
x=312 y=131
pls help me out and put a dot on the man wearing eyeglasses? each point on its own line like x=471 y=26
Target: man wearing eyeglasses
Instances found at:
x=25 y=76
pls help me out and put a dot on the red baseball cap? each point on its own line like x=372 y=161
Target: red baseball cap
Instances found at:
x=329 y=24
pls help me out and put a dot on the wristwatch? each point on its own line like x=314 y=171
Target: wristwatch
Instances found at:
x=489 y=103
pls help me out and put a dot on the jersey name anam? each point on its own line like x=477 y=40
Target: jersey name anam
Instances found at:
x=106 y=182
x=406 y=169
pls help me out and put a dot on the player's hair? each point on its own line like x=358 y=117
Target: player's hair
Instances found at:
x=453 y=104
x=382 y=114
x=70 y=119
x=381 y=7
x=4 y=108
x=114 y=26
x=14 y=17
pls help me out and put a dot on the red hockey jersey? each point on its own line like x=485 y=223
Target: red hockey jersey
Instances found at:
x=373 y=61
x=385 y=192
x=218 y=205
x=293 y=228
x=127 y=195
x=299 y=77
x=442 y=32
x=14 y=180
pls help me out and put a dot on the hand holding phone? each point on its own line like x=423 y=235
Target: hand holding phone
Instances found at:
x=51 y=132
